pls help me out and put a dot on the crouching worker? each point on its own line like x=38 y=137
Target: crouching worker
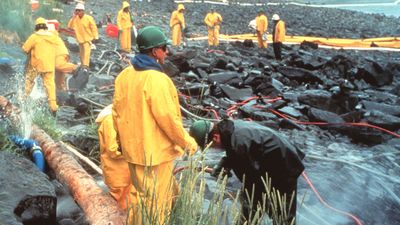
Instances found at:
x=252 y=151
x=115 y=168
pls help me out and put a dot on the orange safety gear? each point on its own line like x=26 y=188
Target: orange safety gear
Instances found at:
x=41 y=48
x=85 y=31
x=115 y=168
x=147 y=116
x=280 y=32
x=177 y=24
x=124 y=24
x=62 y=65
x=213 y=21
x=261 y=27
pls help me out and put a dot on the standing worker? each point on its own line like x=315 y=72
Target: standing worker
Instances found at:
x=213 y=21
x=63 y=65
x=261 y=28
x=41 y=48
x=278 y=36
x=115 y=168
x=147 y=118
x=125 y=24
x=177 y=24
x=85 y=32
x=252 y=151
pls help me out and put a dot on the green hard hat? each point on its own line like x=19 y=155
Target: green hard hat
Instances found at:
x=199 y=130
x=151 y=37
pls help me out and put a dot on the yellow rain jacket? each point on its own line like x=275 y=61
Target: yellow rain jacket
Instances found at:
x=261 y=26
x=115 y=168
x=177 y=24
x=147 y=116
x=85 y=28
x=124 y=24
x=62 y=64
x=213 y=21
x=41 y=46
x=280 y=32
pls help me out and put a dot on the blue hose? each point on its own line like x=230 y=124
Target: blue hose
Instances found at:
x=34 y=149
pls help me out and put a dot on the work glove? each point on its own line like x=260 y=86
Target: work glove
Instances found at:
x=220 y=168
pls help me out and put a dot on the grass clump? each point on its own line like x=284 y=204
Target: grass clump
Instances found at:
x=43 y=119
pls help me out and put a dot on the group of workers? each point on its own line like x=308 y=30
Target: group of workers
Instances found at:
x=141 y=133
x=213 y=22
x=49 y=57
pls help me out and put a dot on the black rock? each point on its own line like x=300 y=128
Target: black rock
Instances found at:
x=299 y=74
x=236 y=94
x=228 y=77
x=27 y=195
x=385 y=108
x=319 y=115
x=374 y=74
x=383 y=120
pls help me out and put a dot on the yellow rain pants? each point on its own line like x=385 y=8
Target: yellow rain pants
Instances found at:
x=48 y=82
x=213 y=20
x=41 y=47
x=63 y=66
x=261 y=26
x=115 y=168
x=125 y=24
x=84 y=52
x=156 y=190
x=85 y=31
x=177 y=24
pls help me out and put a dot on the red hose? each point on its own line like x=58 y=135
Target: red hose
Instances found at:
x=358 y=221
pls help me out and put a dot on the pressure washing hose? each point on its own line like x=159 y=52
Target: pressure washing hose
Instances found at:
x=34 y=150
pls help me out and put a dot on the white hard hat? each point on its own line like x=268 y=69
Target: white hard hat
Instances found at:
x=275 y=17
x=80 y=6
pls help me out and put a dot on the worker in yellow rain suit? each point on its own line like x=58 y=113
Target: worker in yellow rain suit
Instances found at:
x=213 y=21
x=115 y=168
x=41 y=47
x=85 y=31
x=63 y=65
x=147 y=118
x=125 y=24
x=177 y=24
x=261 y=27
x=278 y=36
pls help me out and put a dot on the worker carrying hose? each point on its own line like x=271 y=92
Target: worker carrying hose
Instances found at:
x=85 y=33
x=148 y=121
x=278 y=36
x=115 y=168
x=177 y=24
x=213 y=21
x=125 y=24
x=261 y=29
x=41 y=50
x=252 y=151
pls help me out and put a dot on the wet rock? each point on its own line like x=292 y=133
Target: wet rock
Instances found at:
x=381 y=119
x=248 y=43
x=319 y=115
x=100 y=80
x=228 y=77
x=307 y=45
x=340 y=66
x=316 y=98
x=385 y=108
x=373 y=73
x=236 y=94
x=290 y=111
x=27 y=196
x=299 y=74
x=79 y=80
x=170 y=69
x=71 y=43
